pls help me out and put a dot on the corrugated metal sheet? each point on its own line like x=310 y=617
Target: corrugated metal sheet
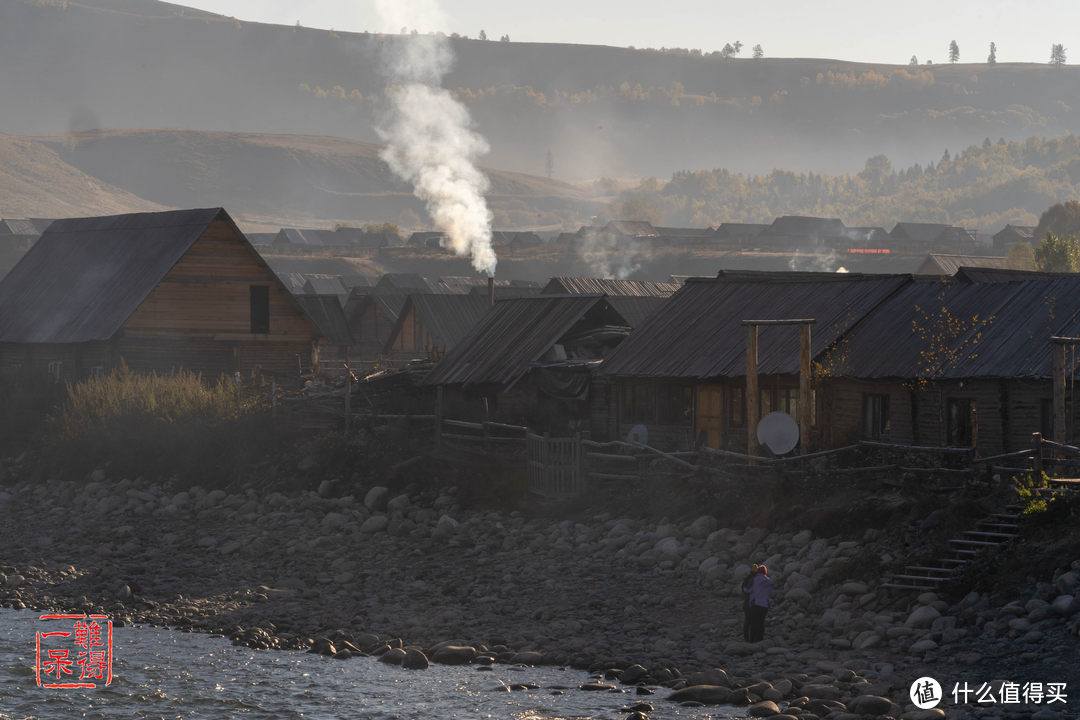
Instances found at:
x=936 y=264
x=17 y=226
x=630 y=228
x=740 y=230
x=294 y=282
x=446 y=318
x=260 y=239
x=999 y=330
x=326 y=313
x=505 y=291
x=324 y=285
x=916 y=232
x=388 y=303
x=635 y=309
x=1001 y=275
x=515 y=332
x=41 y=224
x=593 y=286
x=698 y=332
x=85 y=276
x=295 y=236
x=398 y=282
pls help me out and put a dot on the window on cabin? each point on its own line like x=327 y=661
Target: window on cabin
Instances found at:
x=647 y=404
x=959 y=422
x=737 y=398
x=876 y=417
x=260 y=309
x=789 y=401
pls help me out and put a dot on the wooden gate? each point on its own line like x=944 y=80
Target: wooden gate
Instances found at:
x=554 y=465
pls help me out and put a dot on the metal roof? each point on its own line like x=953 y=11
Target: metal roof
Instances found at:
x=389 y=304
x=685 y=232
x=260 y=238
x=446 y=318
x=326 y=313
x=961 y=330
x=505 y=291
x=630 y=228
x=592 y=286
x=294 y=282
x=1021 y=231
x=41 y=224
x=635 y=309
x=936 y=264
x=916 y=232
x=519 y=331
x=317 y=284
x=396 y=282
x=17 y=226
x=698 y=332
x=295 y=236
x=85 y=276
x=800 y=225
x=1000 y=275
x=740 y=230
x=866 y=234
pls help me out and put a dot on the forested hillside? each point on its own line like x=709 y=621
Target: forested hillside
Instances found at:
x=600 y=110
x=982 y=187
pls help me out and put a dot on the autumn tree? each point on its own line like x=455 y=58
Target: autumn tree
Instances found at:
x=1058 y=253
x=1057 y=55
x=1060 y=219
x=954 y=52
x=758 y=52
x=386 y=227
x=1020 y=257
x=504 y=38
x=643 y=211
x=992 y=59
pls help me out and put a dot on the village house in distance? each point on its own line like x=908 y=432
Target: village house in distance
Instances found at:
x=156 y=291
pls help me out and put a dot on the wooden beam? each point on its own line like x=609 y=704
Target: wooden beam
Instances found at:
x=805 y=407
x=1059 y=393
x=751 y=390
x=801 y=321
x=1064 y=340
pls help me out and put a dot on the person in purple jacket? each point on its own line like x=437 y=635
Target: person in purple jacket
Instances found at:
x=760 y=590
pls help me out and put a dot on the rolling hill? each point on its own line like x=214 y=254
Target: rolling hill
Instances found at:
x=601 y=110
x=290 y=180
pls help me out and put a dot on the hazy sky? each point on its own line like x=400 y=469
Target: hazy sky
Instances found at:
x=866 y=31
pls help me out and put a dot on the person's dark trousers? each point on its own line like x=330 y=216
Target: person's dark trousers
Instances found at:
x=757 y=622
x=746 y=622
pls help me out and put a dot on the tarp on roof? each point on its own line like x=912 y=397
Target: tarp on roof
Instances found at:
x=698 y=333
x=516 y=332
x=963 y=330
x=446 y=318
x=84 y=277
x=591 y=286
x=326 y=313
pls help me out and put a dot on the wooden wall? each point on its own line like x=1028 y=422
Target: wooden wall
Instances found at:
x=199 y=316
x=412 y=340
x=77 y=359
x=371 y=328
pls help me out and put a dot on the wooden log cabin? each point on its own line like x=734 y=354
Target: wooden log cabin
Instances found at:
x=429 y=325
x=157 y=291
x=371 y=317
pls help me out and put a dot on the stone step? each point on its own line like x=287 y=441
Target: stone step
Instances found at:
x=999 y=526
x=966 y=552
x=953 y=561
x=980 y=543
x=931 y=569
x=920 y=577
x=990 y=534
x=908 y=587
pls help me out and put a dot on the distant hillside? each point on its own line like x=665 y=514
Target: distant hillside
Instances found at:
x=34 y=182
x=286 y=179
x=601 y=110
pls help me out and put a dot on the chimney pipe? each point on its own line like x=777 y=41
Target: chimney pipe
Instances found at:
x=491 y=291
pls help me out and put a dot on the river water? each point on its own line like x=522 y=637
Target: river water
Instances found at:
x=159 y=673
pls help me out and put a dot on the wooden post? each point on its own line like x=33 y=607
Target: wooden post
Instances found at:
x=348 y=391
x=751 y=390
x=804 y=388
x=974 y=431
x=1059 y=393
x=438 y=416
x=1036 y=447
x=315 y=356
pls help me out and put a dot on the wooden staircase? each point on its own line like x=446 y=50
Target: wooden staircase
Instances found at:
x=991 y=532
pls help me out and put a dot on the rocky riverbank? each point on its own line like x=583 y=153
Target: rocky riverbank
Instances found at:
x=414 y=576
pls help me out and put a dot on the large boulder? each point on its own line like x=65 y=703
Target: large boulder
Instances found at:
x=399 y=503
x=633 y=674
x=922 y=618
x=414 y=660
x=1067 y=605
x=393 y=656
x=527 y=658
x=704 y=694
x=454 y=655
x=375 y=523
x=763 y=709
x=702 y=527
x=715 y=676
x=869 y=705
x=376 y=498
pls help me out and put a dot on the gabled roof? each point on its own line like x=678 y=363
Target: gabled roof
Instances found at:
x=446 y=318
x=538 y=284
x=740 y=230
x=698 y=333
x=505 y=291
x=1001 y=274
x=389 y=304
x=426 y=237
x=17 y=226
x=936 y=264
x=330 y=238
x=260 y=238
x=516 y=332
x=800 y=225
x=293 y=282
x=630 y=228
x=917 y=232
x=324 y=285
x=995 y=330
x=350 y=281
x=326 y=313
x=1022 y=232
x=41 y=224
x=295 y=236
x=867 y=234
x=396 y=282
x=685 y=232
x=635 y=308
x=85 y=276
x=584 y=286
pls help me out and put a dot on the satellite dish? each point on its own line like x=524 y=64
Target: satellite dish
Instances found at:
x=638 y=435
x=779 y=432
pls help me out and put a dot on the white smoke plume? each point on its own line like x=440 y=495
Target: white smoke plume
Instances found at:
x=429 y=138
x=814 y=262
x=611 y=259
